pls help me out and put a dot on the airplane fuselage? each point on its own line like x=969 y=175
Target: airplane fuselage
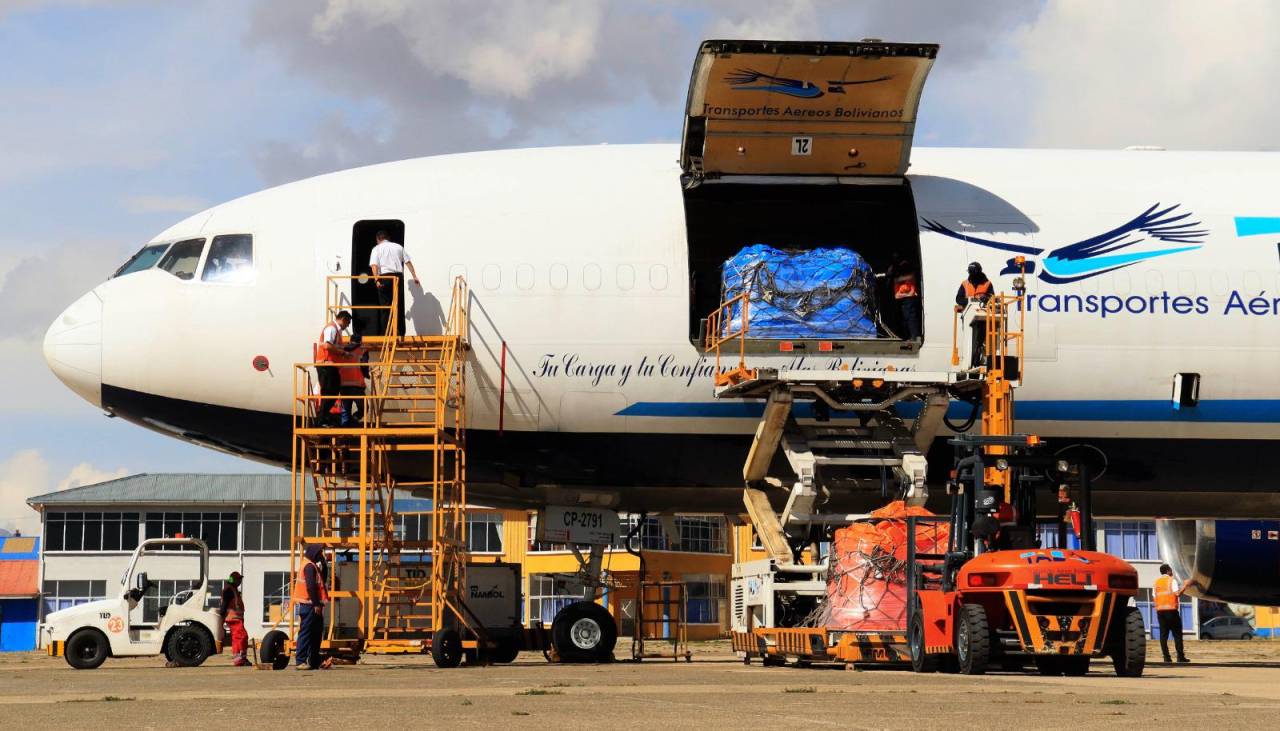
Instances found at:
x=578 y=261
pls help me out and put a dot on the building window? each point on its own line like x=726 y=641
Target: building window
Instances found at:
x=1131 y=540
x=484 y=533
x=269 y=530
x=415 y=527
x=275 y=595
x=217 y=530
x=65 y=593
x=704 y=594
x=90 y=531
x=1048 y=536
x=546 y=600
x=651 y=538
x=701 y=535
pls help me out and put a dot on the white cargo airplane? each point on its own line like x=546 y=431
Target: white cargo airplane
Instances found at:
x=592 y=267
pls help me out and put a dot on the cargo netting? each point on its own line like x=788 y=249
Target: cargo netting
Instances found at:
x=866 y=581
x=824 y=293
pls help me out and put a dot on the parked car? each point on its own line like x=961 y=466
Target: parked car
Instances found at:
x=1226 y=628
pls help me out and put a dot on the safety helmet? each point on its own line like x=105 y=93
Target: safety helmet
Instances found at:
x=975 y=267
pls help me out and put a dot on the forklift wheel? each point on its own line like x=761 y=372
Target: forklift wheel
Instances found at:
x=446 y=648
x=1129 y=648
x=921 y=662
x=973 y=640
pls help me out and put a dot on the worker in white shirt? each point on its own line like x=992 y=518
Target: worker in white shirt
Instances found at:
x=389 y=259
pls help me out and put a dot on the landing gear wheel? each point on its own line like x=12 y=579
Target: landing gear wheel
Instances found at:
x=87 y=649
x=446 y=648
x=921 y=662
x=271 y=650
x=584 y=632
x=1128 y=643
x=973 y=640
x=507 y=651
x=189 y=646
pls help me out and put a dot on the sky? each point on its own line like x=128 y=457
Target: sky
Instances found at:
x=122 y=117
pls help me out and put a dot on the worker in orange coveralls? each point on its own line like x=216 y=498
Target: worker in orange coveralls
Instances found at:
x=232 y=612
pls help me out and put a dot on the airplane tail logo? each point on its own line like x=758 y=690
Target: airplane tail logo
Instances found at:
x=1122 y=246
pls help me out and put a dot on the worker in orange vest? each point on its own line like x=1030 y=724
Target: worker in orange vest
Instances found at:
x=309 y=599
x=975 y=288
x=330 y=350
x=232 y=611
x=351 y=383
x=1166 y=592
x=905 y=283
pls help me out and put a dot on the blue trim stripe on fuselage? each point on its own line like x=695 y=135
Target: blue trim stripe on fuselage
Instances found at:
x=1242 y=411
x=1257 y=225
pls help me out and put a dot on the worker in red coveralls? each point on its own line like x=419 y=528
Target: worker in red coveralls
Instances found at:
x=232 y=612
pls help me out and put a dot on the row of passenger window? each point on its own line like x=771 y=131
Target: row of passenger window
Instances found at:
x=230 y=259
x=558 y=276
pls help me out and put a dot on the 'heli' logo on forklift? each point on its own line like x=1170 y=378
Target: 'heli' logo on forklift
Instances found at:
x=1054 y=556
x=1063 y=578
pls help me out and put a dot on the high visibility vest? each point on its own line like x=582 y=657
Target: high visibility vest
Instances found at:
x=904 y=285
x=236 y=611
x=1166 y=596
x=980 y=291
x=300 y=595
x=351 y=375
x=322 y=353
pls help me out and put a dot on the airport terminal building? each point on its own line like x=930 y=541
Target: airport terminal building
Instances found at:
x=90 y=532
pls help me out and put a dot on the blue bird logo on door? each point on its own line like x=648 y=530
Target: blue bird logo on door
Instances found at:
x=1115 y=249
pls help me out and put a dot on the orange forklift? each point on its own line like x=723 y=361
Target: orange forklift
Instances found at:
x=992 y=598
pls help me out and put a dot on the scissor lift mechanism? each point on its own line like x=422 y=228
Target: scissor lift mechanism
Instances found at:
x=855 y=426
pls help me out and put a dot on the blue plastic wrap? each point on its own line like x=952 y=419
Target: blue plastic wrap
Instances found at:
x=820 y=293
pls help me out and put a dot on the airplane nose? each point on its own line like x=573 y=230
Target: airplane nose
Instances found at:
x=73 y=348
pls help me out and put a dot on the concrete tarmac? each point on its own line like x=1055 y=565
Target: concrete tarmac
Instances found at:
x=1231 y=684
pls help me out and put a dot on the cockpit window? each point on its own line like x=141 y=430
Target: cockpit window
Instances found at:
x=183 y=258
x=146 y=258
x=230 y=259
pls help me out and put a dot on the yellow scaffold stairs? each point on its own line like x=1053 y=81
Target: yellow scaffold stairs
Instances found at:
x=406 y=438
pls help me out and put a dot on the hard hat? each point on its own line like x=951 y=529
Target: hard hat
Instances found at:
x=974 y=267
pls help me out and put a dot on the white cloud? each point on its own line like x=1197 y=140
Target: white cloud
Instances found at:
x=21 y=476
x=86 y=474
x=41 y=285
x=26 y=474
x=1182 y=74
x=164 y=203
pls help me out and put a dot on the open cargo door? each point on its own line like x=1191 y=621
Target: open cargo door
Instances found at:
x=805 y=109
